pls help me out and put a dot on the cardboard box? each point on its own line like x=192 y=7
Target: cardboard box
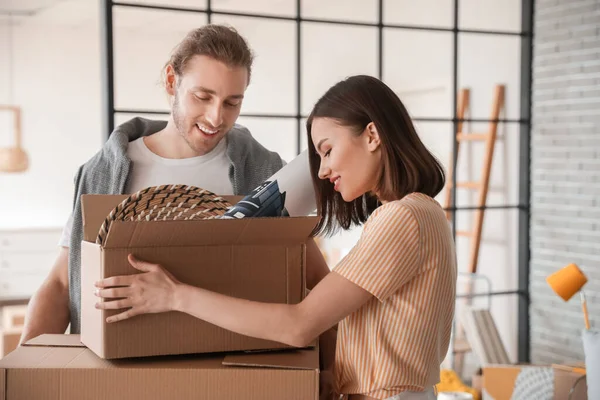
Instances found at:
x=59 y=367
x=260 y=259
x=502 y=382
x=9 y=340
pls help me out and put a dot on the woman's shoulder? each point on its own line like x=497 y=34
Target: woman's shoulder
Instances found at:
x=410 y=203
x=413 y=208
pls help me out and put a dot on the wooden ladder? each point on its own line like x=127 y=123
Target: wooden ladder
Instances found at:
x=483 y=184
x=461 y=345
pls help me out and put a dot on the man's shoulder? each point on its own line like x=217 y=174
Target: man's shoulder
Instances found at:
x=243 y=146
x=115 y=148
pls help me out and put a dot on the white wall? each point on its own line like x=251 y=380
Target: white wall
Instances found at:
x=57 y=84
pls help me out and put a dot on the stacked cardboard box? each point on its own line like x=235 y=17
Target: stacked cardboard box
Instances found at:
x=9 y=340
x=172 y=355
x=505 y=382
x=11 y=327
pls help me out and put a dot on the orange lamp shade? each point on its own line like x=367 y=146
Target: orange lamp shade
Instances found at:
x=567 y=281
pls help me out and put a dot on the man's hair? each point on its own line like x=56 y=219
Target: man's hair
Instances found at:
x=223 y=43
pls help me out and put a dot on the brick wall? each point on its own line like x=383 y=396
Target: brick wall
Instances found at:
x=565 y=170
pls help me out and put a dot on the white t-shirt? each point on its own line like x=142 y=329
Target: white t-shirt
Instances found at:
x=210 y=172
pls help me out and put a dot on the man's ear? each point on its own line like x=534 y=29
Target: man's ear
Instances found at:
x=170 y=80
x=372 y=137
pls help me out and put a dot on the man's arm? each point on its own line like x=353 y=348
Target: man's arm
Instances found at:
x=48 y=310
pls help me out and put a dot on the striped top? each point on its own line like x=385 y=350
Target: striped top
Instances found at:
x=396 y=342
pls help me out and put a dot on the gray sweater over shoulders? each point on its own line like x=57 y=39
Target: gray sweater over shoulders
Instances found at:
x=107 y=172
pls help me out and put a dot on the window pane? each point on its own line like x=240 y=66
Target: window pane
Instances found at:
x=277 y=135
x=504 y=172
x=272 y=7
x=437 y=137
x=438 y=13
x=418 y=67
x=487 y=60
x=504 y=312
x=331 y=53
x=342 y=10
x=490 y=15
x=143 y=42
x=497 y=270
x=498 y=249
x=272 y=87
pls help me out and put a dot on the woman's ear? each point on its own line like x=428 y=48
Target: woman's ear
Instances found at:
x=372 y=137
x=170 y=80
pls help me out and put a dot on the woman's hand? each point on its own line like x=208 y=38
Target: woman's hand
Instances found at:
x=152 y=291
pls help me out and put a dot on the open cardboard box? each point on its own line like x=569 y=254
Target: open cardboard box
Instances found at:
x=501 y=382
x=260 y=259
x=59 y=367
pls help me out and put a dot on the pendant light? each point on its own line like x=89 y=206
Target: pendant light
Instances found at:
x=14 y=158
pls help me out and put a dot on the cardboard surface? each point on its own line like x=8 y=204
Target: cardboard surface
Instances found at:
x=499 y=382
x=56 y=340
x=301 y=359
x=260 y=259
x=564 y=381
x=76 y=373
x=9 y=340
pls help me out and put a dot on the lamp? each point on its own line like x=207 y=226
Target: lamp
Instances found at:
x=568 y=281
x=13 y=159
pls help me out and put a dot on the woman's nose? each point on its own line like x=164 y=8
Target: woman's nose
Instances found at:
x=324 y=171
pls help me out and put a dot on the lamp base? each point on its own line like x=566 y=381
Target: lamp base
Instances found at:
x=13 y=159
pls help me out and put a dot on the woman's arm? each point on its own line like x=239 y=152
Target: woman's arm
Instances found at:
x=156 y=290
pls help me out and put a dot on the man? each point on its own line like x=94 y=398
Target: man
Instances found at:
x=199 y=145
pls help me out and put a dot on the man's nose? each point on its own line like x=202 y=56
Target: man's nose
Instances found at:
x=215 y=116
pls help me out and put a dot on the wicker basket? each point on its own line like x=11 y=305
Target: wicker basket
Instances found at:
x=164 y=203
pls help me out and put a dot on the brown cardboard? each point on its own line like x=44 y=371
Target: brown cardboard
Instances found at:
x=51 y=370
x=499 y=382
x=564 y=381
x=9 y=340
x=260 y=259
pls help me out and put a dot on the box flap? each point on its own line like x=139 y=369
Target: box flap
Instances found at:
x=26 y=357
x=94 y=209
x=55 y=340
x=209 y=232
x=295 y=359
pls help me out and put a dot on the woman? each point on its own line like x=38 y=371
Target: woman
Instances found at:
x=392 y=295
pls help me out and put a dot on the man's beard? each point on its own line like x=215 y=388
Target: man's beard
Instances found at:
x=179 y=121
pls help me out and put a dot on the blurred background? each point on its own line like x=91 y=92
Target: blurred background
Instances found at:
x=77 y=67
